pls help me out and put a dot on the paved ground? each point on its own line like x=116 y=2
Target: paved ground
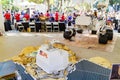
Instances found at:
x=13 y=42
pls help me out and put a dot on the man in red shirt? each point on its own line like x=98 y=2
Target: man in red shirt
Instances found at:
x=7 y=15
x=17 y=17
x=56 y=16
x=47 y=15
x=62 y=17
x=27 y=16
x=7 y=21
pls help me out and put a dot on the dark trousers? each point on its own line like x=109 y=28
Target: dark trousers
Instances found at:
x=7 y=25
x=69 y=23
x=116 y=24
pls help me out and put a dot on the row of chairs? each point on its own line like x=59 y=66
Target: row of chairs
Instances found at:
x=54 y=26
x=37 y=26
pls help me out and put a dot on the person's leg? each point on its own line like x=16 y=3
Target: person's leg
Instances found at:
x=5 y=25
x=116 y=24
x=9 y=25
x=16 y=26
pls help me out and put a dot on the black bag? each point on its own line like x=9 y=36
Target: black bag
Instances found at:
x=109 y=33
x=103 y=39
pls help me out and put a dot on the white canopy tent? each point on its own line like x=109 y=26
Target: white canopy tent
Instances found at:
x=25 y=4
x=32 y=6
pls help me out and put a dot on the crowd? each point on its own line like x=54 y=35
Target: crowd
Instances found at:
x=69 y=18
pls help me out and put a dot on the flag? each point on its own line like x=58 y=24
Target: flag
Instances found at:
x=43 y=54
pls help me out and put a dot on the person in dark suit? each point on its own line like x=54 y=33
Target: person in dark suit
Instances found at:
x=115 y=72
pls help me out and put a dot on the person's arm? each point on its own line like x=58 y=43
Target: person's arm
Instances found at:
x=4 y=15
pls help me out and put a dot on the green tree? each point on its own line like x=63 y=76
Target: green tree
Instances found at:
x=36 y=1
x=6 y=4
x=41 y=1
x=50 y=3
x=111 y=2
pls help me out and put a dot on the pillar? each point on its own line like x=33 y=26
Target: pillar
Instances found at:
x=63 y=5
x=1 y=20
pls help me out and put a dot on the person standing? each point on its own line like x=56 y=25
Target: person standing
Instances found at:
x=56 y=16
x=115 y=74
x=27 y=16
x=47 y=15
x=62 y=17
x=17 y=17
x=70 y=18
x=7 y=21
x=51 y=19
x=74 y=18
x=95 y=13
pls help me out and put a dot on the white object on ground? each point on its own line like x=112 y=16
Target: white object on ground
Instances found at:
x=52 y=60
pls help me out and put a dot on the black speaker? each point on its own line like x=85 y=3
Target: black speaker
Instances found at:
x=103 y=38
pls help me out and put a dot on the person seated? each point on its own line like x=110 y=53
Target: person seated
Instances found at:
x=36 y=18
x=42 y=17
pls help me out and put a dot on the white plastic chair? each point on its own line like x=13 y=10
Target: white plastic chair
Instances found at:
x=55 y=26
x=48 y=26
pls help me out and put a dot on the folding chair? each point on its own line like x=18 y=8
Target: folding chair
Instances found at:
x=19 y=26
x=55 y=26
x=32 y=27
x=48 y=26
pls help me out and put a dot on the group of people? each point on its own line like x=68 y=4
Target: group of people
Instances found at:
x=111 y=18
x=37 y=16
x=56 y=16
x=68 y=18
x=9 y=18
